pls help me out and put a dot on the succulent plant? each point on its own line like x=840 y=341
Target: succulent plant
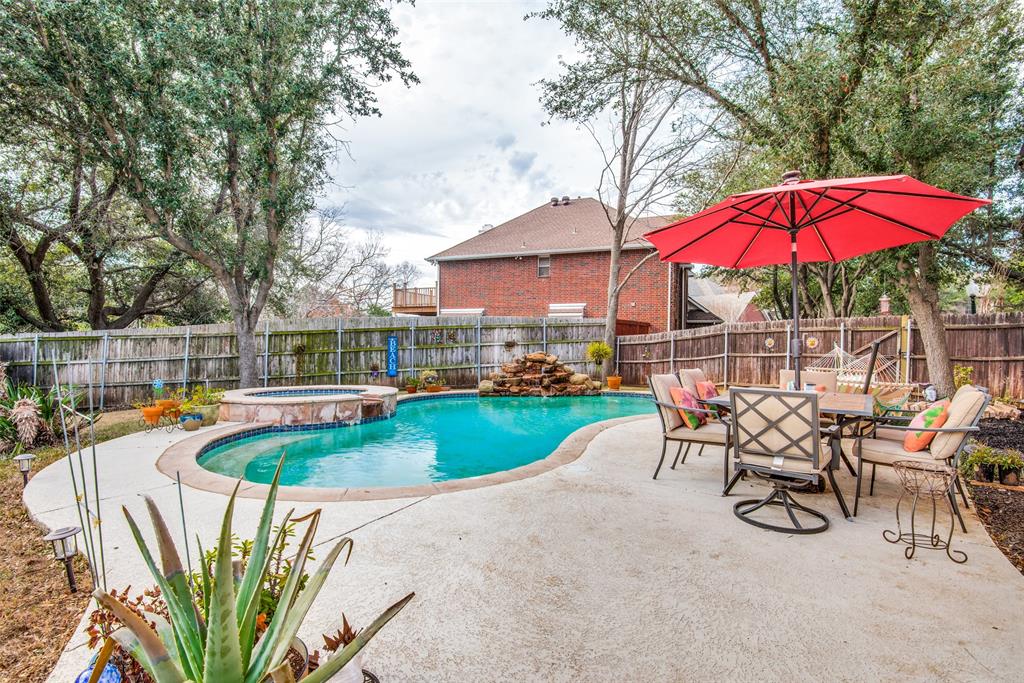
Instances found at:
x=222 y=648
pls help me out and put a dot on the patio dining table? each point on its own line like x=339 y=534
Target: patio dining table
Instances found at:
x=838 y=405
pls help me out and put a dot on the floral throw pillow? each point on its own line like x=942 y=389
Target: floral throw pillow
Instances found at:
x=933 y=416
x=706 y=390
x=685 y=398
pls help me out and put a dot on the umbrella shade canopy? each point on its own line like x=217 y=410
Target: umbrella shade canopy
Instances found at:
x=833 y=220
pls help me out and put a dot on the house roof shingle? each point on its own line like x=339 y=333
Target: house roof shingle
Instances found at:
x=580 y=226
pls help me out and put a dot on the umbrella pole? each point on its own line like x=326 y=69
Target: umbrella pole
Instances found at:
x=795 y=342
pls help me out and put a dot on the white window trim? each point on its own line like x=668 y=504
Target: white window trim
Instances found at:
x=547 y=257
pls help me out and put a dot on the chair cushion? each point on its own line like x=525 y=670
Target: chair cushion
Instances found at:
x=784 y=464
x=883 y=451
x=712 y=432
x=964 y=409
x=687 y=399
x=661 y=385
x=934 y=416
x=690 y=377
x=890 y=433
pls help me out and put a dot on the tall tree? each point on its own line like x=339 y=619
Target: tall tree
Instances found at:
x=85 y=258
x=649 y=143
x=214 y=115
x=793 y=77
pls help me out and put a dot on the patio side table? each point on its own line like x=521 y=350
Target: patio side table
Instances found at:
x=930 y=482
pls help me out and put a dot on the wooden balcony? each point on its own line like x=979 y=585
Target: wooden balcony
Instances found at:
x=414 y=300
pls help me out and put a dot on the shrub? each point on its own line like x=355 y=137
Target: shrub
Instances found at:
x=599 y=352
x=962 y=375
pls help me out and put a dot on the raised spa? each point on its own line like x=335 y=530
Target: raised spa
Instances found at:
x=320 y=404
x=428 y=440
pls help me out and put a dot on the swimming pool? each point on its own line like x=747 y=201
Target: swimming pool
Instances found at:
x=432 y=440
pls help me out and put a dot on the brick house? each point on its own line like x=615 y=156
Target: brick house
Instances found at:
x=553 y=261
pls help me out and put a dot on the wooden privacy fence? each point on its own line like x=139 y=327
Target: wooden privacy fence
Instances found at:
x=122 y=364
x=753 y=353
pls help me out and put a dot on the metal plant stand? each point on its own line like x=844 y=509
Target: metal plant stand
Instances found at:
x=930 y=482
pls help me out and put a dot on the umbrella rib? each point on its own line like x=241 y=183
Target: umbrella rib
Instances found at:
x=700 y=237
x=807 y=212
x=765 y=220
x=894 y=221
x=778 y=203
x=840 y=204
x=955 y=197
x=710 y=212
x=739 y=258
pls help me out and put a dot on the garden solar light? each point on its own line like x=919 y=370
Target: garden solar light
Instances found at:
x=24 y=465
x=973 y=290
x=65 y=547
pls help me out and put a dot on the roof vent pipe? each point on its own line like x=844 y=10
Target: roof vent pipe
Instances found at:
x=565 y=199
x=554 y=201
x=791 y=177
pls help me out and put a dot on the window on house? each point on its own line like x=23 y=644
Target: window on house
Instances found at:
x=543 y=266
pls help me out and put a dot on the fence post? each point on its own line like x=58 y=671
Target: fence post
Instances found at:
x=617 y=354
x=671 y=353
x=725 y=357
x=35 y=359
x=188 y=347
x=266 y=352
x=842 y=335
x=103 y=368
x=339 y=352
x=900 y=345
x=544 y=334
x=910 y=340
x=478 y=375
x=412 y=345
x=789 y=346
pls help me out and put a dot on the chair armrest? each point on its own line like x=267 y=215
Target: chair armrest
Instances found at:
x=689 y=410
x=887 y=420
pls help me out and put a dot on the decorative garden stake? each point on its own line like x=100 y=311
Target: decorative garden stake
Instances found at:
x=65 y=547
x=24 y=465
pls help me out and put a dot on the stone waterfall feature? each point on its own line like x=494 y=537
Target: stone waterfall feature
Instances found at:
x=538 y=374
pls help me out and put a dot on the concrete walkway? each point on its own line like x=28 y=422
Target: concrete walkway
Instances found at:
x=594 y=572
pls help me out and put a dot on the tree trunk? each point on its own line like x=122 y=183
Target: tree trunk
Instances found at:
x=614 y=260
x=249 y=370
x=923 y=296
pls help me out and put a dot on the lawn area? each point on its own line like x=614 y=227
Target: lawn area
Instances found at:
x=37 y=614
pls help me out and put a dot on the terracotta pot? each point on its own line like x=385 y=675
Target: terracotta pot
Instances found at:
x=614 y=382
x=168 y=403
x=410 y=389
x=434 y=388
x=151 y=414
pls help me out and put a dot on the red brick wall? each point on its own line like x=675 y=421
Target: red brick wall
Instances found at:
x=510 y=286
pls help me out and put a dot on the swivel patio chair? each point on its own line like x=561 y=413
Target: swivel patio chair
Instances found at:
x=673 y=429
x=777 y=436
x=884 y=445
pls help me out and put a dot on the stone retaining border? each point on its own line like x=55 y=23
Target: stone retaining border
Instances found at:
x=181 y=458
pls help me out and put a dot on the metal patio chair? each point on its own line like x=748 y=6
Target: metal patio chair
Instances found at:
x=884 y=445
x=777 y=435
x=673 y=429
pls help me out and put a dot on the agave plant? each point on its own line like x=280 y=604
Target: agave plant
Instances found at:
x=222 y=647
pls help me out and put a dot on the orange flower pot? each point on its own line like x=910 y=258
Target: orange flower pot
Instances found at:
x=614 y=382
x=151 y=414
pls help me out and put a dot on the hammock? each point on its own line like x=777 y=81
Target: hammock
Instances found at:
x=851 y=371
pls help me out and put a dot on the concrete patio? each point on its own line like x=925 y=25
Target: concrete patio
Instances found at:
x=594 y=572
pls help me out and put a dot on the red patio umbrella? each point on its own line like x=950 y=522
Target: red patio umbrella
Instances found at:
x=804 y=221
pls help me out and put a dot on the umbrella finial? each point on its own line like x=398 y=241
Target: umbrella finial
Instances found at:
x=790 y=177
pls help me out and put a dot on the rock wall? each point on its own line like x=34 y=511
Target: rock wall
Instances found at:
x=538 y=374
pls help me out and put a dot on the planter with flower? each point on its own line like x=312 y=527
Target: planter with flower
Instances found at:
x=431 y=381
x=412 y=384
x=239 y=618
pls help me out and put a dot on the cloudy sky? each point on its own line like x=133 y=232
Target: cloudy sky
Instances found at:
x=468 y=145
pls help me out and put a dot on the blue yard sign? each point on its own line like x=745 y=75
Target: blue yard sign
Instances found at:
x=392 y=355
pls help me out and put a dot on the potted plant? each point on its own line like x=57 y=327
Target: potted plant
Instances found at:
x=173 y=649
x=412 y=384
x=151 y=414
x=599 y=352
x=431 y=381
x=206 y=402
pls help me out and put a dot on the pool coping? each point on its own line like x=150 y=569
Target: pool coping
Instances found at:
x=181 y=459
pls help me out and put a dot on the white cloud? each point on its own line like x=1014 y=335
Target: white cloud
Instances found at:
x=467 y=146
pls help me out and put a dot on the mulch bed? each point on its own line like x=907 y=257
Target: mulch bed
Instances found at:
x=1001 y=509
x=37 y=612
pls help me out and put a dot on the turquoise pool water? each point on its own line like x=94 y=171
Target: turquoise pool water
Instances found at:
x=426 y=441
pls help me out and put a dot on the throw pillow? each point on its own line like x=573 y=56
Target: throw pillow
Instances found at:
x=933 y=416
x=685 y=398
